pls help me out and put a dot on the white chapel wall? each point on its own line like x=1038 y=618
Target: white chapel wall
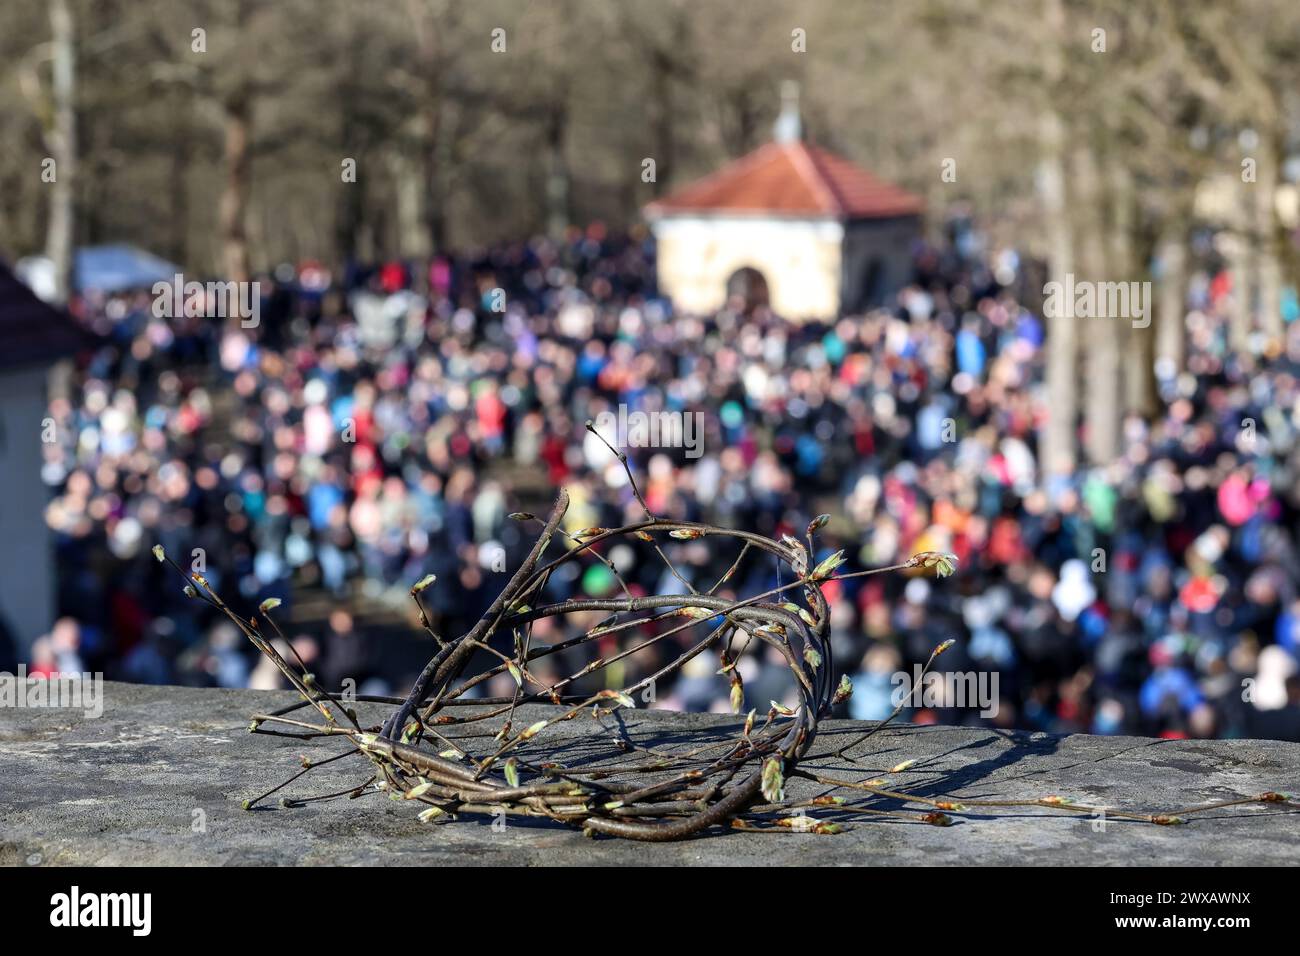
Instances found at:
x=799 y=258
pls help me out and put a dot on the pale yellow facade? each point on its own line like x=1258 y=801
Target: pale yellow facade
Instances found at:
x=801 y=259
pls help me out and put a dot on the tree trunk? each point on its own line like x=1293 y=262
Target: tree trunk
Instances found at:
x=1268 y=266
x=351 y=202
x=62 y=140
x=409 y=185
x=178 y=186
x=351 y=211
x=429 y=21
x=664 y=121
x=1056 y=452
x=1171 y=297
x=557 y=174
x=435 y=194
x=1236 y=250
x=1104 y=331
x=1137 y=361
x=234 y=196
x=1056 y=442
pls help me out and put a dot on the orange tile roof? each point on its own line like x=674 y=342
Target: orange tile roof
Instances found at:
x=791 y=179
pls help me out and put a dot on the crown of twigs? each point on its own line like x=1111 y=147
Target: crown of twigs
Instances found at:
x=421 y=751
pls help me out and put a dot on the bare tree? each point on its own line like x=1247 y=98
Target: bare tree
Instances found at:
x=61 y=136
x=1056 y=452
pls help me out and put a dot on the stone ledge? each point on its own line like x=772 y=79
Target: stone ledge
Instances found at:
x=124 y=788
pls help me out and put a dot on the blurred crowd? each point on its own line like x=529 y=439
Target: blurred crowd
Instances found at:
x=380 y=424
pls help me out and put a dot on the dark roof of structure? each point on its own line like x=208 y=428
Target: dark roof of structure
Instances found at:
x=32 y=331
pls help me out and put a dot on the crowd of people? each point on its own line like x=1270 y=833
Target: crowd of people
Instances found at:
x=380 y=424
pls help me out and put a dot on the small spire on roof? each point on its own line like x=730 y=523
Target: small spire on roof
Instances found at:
x=788 y=127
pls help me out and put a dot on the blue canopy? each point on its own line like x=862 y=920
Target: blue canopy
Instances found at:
x=118 y=267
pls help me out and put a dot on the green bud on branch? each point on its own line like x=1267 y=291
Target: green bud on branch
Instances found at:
x=773 y=780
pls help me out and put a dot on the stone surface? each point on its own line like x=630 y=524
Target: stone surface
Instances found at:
x=132 y=787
